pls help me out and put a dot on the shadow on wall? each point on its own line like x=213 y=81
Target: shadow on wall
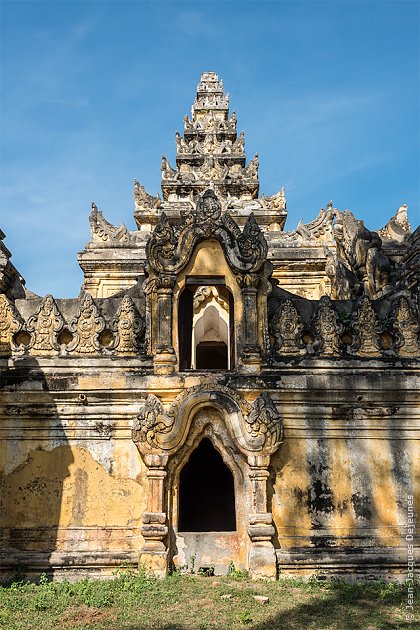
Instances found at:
x=346 y=491
x=35 y=461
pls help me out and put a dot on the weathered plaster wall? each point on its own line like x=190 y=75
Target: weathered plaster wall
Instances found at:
x=74 y=486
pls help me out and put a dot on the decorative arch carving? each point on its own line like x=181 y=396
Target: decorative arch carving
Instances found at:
x=256 y=428
x=169 y=249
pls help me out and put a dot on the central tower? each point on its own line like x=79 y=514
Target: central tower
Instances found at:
x=210 y=154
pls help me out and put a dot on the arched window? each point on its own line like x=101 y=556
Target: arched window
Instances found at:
x=205 y=327
x=206 y=492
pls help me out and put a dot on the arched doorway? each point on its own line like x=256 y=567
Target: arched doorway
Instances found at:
x=206 y=492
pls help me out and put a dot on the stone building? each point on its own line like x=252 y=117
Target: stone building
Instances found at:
x=222 y=390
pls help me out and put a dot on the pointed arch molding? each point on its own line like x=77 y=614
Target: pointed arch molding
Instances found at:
x=256 y=428
x=169 y=249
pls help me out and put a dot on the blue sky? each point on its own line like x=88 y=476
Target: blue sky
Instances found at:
x=93 y=92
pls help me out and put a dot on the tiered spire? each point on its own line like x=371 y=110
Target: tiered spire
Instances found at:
x=210 y=154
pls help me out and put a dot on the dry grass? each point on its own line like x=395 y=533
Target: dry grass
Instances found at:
x=183 y=602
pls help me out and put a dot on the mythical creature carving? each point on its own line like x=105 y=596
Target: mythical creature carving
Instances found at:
x=45 y=327
x=406 y=326
x=239 y=144
x=360 y=262
x=327 y=328
x=10 y=324
x=287 y=328
x=86 y=326
x=104 y=232
x=257 y=427
x=264 y=419
x=209 y=208
x=188 y=124
x=365 y=330
x=151 y=420
x=127 y=326
x=181 y=146
x=142 y=199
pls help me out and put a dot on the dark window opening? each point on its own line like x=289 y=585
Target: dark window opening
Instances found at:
x=206 y=493
x=185 y=318
x=206 y=326
x=211 y=355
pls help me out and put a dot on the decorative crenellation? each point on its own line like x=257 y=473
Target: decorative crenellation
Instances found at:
x=328 y=329
x=366 y=329
x=45 y=326
x=287 y=328
x=128 y=326
x=86 y=326
x=406 y=328
x=10 y=324
x=357 y=330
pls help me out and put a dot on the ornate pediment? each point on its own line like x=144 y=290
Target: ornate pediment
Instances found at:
x=169 y=249
x=256 y=427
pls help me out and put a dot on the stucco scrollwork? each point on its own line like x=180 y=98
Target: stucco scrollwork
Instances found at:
x=265 y=421
x=104 y=232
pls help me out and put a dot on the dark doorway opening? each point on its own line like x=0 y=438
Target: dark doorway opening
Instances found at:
x=211 y=355
x=206 y=493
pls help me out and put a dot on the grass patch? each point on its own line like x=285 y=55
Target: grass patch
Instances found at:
x=138 y=601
